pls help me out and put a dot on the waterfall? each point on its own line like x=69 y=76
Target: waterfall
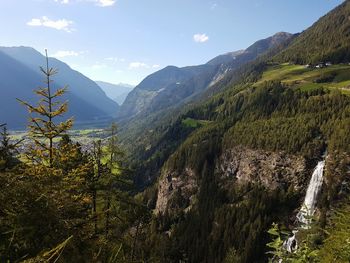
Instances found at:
x=308 y=208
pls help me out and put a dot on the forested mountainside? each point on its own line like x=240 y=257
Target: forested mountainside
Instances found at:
x=157 y=133
x=224 y=177
x=172 y=86
x=243 y=159
x=326 y=40
x=254 y=151
x=89 y=102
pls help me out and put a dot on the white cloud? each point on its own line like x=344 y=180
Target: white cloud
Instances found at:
x=66 y=53
x=115 y=59
x=61 y=24
x=105 y=3
x=200 y=38
x=135 y=65
x=213 y=6
x=102 y=3
x=62 y=1
x=155 y=66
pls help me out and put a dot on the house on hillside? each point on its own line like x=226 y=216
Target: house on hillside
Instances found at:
x=321 y=65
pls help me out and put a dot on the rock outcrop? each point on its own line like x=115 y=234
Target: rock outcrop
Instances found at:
x=236 y=166
x=176 y=191
x=271 y=169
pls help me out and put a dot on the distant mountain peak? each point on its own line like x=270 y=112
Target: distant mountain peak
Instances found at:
x=254 y=50
x=282 y=33
x=120 y=84
x=117 y=92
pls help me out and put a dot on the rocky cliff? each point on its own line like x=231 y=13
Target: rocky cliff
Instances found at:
x=235 y=167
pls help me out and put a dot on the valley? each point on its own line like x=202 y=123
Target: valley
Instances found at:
x=242 y=159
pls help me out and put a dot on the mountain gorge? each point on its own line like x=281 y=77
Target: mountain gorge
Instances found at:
x=117 y=92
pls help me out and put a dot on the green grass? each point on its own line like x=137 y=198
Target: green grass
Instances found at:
x=192 y=123
x=305 y=79
x=86 y=131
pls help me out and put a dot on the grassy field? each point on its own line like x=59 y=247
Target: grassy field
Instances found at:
x=189 y=122
x=305 y=79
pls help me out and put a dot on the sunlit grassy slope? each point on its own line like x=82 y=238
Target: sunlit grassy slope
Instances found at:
x=300 y=77
x=189 y=122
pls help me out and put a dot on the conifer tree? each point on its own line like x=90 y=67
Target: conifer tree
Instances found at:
x=43 y=128
x=7 y=149
x=107 y=177
x=114 y=154
x=94 y=178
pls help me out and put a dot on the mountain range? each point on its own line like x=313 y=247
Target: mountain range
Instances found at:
x=172 y=85
x=98 y=101
x=20 y=75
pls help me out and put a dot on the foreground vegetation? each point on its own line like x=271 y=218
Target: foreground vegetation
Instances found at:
x=64 y=204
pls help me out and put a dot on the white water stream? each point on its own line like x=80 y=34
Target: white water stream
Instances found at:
x=308 y=208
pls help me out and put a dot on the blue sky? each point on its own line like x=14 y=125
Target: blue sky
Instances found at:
x=126 y=40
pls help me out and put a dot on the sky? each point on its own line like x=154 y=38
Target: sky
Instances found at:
x=123 y=41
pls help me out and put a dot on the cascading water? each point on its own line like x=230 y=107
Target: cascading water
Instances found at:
x=308 y=208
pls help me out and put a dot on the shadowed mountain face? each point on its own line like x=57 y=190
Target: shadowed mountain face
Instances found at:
x=20 y=75
x=172 y=85
x=117 y=92
x=165 y=88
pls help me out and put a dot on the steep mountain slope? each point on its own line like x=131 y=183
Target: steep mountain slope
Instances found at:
x=327 y=40
x=18 y=81
x=171 y=85
x=140 y=100
x=238 y=58
x=225 y=58
x=148 y=136
x=79 y=85
x=117 y=92
x=247 y=159
x=242 y=159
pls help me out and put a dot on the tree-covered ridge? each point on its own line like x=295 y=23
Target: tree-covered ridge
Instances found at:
x=269 y=115
x=327 y=40
x=273 y=117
